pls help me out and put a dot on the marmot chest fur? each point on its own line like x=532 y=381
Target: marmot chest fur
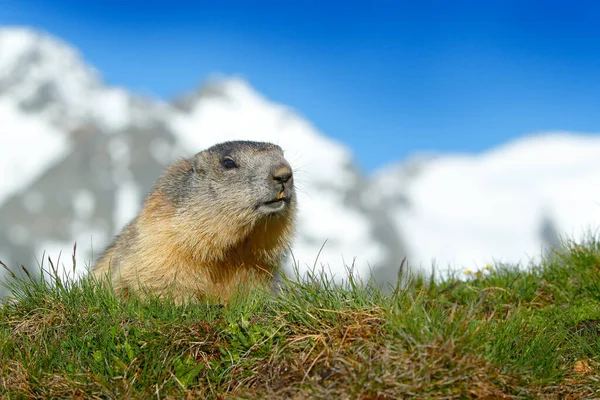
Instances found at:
x=219 y=220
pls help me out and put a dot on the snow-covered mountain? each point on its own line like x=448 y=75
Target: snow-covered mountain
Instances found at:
x=504 y=205
x=46 y=77
x=82 y=155
x=79 y=156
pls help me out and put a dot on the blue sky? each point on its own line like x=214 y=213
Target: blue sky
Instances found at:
x=388 y=78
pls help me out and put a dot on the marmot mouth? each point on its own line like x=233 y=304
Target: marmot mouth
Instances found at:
x=273 y=205
x=274 y=201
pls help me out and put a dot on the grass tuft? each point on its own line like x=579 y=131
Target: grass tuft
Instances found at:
x=500 y=333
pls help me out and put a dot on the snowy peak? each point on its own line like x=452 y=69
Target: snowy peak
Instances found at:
x=37 y=70
x=44 y=76
x=219 y=88
x=27 y=54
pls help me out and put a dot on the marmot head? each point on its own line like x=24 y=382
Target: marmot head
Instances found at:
x=235 y=180
x=246 y=175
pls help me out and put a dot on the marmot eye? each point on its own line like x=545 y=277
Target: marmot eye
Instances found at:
x=229 y=163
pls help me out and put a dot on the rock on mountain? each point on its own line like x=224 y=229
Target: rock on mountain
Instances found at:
x=83 y=154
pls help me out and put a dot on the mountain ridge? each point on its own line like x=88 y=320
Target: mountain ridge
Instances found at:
x=83 y=158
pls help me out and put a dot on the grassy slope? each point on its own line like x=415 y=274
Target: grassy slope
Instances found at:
x=502 y=333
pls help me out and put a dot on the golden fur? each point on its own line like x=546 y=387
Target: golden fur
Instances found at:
x=200 y=250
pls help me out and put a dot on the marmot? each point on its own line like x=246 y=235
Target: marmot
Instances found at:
x=223 y=218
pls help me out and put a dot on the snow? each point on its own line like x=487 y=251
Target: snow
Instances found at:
x=13 y=43
x=32 y=61
x=61 y=255
x=467 y=211
x=128 y=200
x=91 y=237
x=32 y=147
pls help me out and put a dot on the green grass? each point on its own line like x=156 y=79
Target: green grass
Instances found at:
x=500 y=334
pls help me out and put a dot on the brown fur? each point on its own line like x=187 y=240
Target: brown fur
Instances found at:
x=189 y=247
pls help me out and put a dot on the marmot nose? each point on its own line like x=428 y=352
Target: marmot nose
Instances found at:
x=282 y=174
